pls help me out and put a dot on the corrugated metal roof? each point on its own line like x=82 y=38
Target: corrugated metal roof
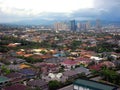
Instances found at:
x=93 y=85
x=3 y=79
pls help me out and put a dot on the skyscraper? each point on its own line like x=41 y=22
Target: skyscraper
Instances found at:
x=72 y=25
x=88 y=25
x=98 y=25
x=78 y=26
x=60 y=26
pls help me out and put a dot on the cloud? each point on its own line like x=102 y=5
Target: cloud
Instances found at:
x=39 y=6
x=16 y=10
x=106 y=4
x=103 y=9
x=110 y=9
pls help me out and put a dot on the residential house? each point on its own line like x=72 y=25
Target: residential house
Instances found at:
x=69 y=63
x=15 y=77
x=108 y=64
x=84 y=70
x=41 y=84
x=55 y=60
x=13 y=60
x=96 y=59
x=14 y=67
x=28 y=73
x=47 y=67
x=71 y=74
x=83 y=61
x=22 y=66
x=55 y=76
x=16 y=87
x=69 y=87
x=96 y=67
x=117 y=63
x=3 y=80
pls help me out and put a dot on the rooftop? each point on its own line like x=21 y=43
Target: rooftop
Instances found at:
x=16 y=87
x=13 y=75
x=94 y=85
x=27 y=71
x=82 y=70
x=70 y=62
x=37 y=83
x=70 y=87
x=3 y=79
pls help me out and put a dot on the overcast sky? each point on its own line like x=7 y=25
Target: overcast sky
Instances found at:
x=17 y=10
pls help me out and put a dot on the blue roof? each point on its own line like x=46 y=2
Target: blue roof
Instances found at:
x=27 y=71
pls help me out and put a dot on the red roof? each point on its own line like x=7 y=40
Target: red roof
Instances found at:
x=83 y=59
x=96 y=67
x=108 y=64
x=70 y=62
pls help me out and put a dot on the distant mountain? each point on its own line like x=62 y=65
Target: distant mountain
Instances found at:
x=51 y=22
x=34 y=22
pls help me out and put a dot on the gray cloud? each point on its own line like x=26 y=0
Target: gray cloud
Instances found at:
x=111 y=7
x=104 y=9
x=106 y=4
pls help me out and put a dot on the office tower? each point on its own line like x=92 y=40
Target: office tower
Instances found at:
x=72 y=25
x=83 y=27
x=88 y=25
x=78 y=26
x=98 y=25
x=58 y=26
x=65 y=26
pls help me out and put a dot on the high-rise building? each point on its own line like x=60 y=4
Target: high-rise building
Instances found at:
x=78 y=26
x=88 y=25
x=83 y=27
x=72 y=25
x=98 y=25
x=56 y=26
x=60 y=26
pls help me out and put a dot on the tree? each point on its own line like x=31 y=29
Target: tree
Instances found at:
x=61 y=68
x=76 y=66
x=75 y=44
x=54 y=85
x=91 y=63
x=110 y=76
x=5 y=70
x=43 y=52
x=4 y=49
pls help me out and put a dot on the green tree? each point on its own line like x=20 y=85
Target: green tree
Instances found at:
x=75 y=44
x=5 y=70
x=54 y=85
x=110 y=75
x=43 y=52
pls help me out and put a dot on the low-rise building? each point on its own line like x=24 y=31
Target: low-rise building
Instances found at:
x=82 y=84
x=16 y=87
x=15 y=77
x=3 y=80
x=28 y=73
x=84 y=70
x=41 y=84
